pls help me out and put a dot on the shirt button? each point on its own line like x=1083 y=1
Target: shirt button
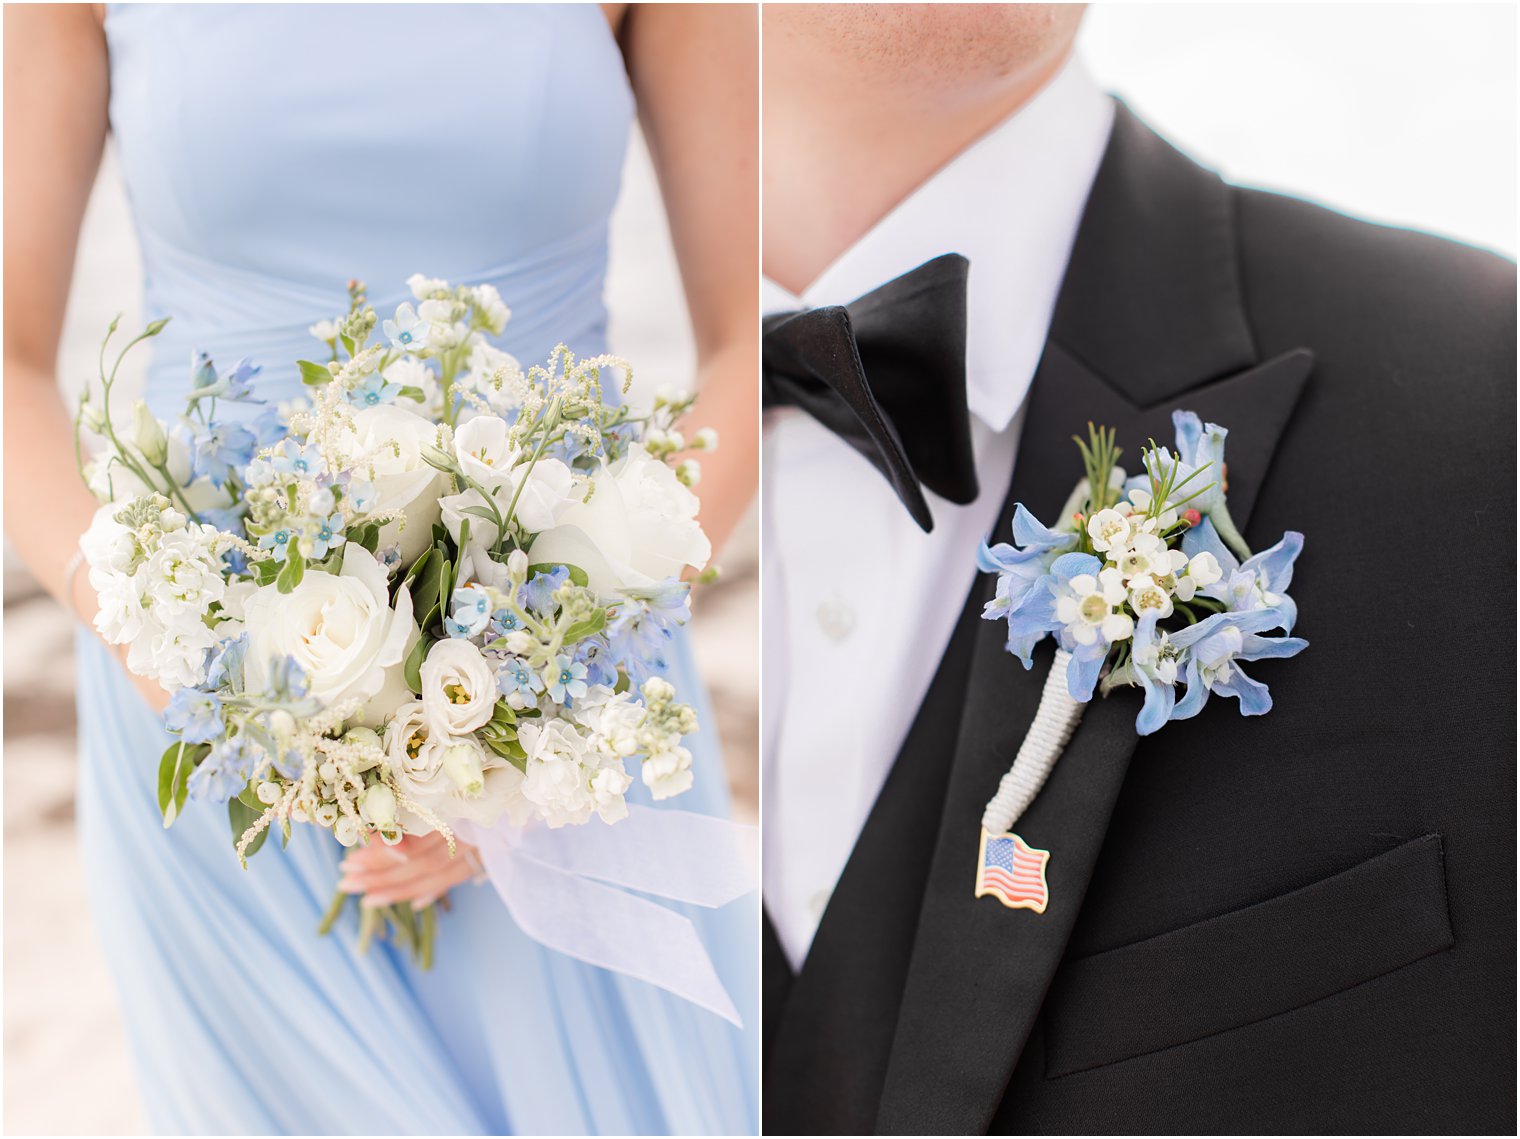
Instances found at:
x=836 y=619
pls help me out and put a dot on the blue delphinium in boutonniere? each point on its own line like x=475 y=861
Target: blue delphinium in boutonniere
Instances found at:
x=1145 y=582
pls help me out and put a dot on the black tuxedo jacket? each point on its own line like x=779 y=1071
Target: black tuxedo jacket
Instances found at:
x=1303 y=922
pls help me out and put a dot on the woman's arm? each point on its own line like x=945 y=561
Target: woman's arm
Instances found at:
x=56 y=89
x=57 y=84
x=695 y=73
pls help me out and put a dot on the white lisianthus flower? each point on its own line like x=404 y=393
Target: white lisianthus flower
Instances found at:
x=549 y=494
x=458 y=688
x=640 y=527
x=389 y=440
x=452 y=777
x=339 y=628
x=667 y=772
x=111 y=481
x=482 y=450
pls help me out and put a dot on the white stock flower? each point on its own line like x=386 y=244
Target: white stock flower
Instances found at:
x=458 y=688
x=556 y=781
x=640 y=527
x=340 y=628
x=667 y=772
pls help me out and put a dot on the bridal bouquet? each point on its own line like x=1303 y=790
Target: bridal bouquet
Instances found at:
x=435 y=594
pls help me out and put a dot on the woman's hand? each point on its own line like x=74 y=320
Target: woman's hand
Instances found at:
x=418 y=870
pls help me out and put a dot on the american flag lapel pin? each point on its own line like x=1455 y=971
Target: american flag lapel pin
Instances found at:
x=1013 y=872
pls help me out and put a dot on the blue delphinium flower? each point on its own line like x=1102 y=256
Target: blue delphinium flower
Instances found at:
x=471 y=612
x=224 y=772
x=202 y=371
x=228 y=518
x=1086 y=658
x=538 y=593
x=294 y=459
x=514 y=675
x=268 y=428
x=1216 y=646
x=1260 y=582
x=565 y=680
x=287 y=680
x=225 y=669
x=1200 y=449
x=239 y=382
x=326 y=534
x=1023 y=595
x=596 y=655
x=1154 y=663
x=373 y=392
x=219 y=449
x=194 y=716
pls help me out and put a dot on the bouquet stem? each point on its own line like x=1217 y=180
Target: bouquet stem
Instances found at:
x=1054 y=721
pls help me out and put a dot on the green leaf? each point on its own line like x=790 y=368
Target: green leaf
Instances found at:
x=250 y=797
x=408 y=391
x=240 y=816
x=577 y=575
x=266 y=571
x=292 y=571
x=511 y=751
x=312 y=374
x=583 y=629
x=348 y=344
x=366 y=535
x=412 y=670
x=174 y=769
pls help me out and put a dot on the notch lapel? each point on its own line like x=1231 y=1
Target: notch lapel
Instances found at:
x=979 y=971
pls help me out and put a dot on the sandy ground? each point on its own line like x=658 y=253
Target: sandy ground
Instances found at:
x=66 y=1066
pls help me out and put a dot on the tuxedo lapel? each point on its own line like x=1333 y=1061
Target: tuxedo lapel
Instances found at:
x=1159 y=229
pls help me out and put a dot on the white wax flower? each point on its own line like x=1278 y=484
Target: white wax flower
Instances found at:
x=340 y=628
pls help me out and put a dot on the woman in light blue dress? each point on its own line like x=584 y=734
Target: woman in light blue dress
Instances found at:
x=270 y=154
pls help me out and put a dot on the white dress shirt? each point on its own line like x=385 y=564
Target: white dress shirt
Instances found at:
x=859 y=603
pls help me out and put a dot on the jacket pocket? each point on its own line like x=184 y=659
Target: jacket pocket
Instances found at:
x=1250 y=964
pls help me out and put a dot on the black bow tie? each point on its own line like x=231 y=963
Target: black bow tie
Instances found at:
x=887 y=374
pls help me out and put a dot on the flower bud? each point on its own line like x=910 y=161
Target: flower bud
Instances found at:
x=705 y=440
x=326 y=814
x=378 y=806
x=520 y=643
x=281 y=724
x=148 y=434
x=346 y=830
x=461 y=763
x=328 y=772
x=91 y=417
x=689 y=472
x=517 y=565
x=268 y=793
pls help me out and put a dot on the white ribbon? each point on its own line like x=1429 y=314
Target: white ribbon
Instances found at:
x=566 y=889
x=1054 y=721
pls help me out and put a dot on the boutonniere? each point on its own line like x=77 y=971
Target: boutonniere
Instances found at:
x=1147 y=583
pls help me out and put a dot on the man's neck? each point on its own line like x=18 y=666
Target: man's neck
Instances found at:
x=840 y=154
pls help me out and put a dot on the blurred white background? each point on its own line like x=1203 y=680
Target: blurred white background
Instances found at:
x=1401 y=113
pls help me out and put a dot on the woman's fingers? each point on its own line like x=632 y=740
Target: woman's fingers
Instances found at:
x=429 y=870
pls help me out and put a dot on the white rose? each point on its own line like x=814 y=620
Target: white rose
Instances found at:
x=427 y=766
x=640 y=527
x=458 y=688
x=340 y=628
x=391 y=440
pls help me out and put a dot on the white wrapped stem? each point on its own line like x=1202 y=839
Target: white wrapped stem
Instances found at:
x=1056 y=719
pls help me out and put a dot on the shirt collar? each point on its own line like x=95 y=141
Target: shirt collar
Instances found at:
x=1011 y=203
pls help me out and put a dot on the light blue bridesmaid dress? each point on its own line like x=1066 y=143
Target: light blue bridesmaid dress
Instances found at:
x=271 y=153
